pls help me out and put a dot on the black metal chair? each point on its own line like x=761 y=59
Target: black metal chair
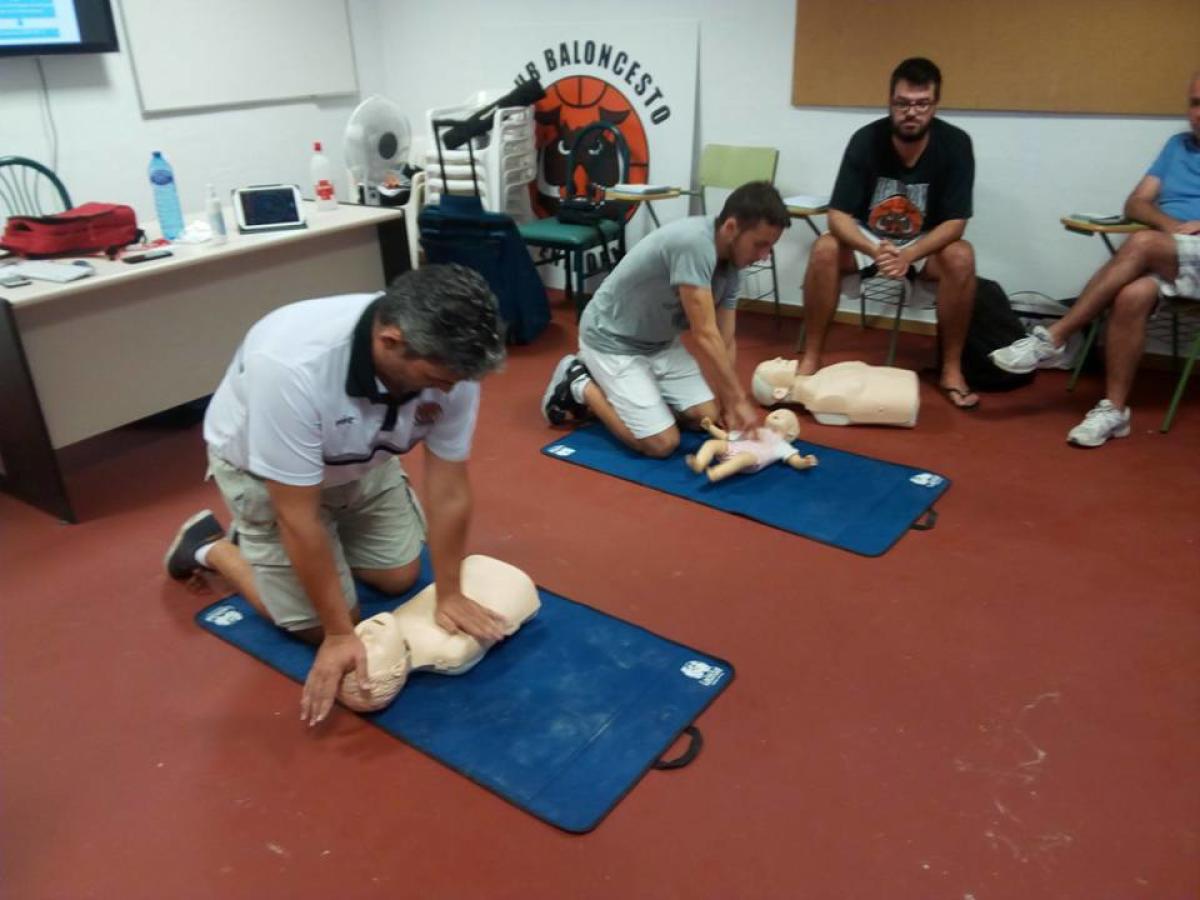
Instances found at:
x=27 y=188
x=557 y=241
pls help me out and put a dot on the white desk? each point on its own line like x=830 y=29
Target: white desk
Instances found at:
x=81 y=358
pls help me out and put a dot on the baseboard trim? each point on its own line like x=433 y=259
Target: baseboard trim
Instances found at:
x=1158 y=362
x=843 y=316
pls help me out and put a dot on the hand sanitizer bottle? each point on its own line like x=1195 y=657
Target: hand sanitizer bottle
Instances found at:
x=216 y=218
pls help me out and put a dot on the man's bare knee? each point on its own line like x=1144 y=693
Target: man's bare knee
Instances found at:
x=316 y=634
x=391 y=581
x=1136 y=300
x=826 y=252
x=660 y=445
x=1142 y=246
x=957 y=260
x=694 y=415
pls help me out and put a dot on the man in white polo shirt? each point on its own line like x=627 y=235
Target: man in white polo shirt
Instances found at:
x=302 y=437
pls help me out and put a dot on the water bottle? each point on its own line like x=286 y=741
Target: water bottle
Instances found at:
x=215 y=216
x=166 y=197
x=321 y=172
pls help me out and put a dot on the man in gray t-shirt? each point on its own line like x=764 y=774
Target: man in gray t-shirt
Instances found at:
x=632 y=371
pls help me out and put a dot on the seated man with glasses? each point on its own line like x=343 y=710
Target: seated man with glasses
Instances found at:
x=901 y=201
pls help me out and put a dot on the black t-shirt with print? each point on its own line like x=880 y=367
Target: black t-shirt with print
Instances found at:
x=899 y=203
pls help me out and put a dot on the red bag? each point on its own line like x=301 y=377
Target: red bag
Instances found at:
x=84 y=229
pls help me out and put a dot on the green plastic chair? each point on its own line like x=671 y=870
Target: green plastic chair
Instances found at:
x=726 y=166
x=570 y=244
x=27 y=188
x=1187 y=307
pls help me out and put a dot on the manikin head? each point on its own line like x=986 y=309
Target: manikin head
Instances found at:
x=388 y=664
x=773 y=381
x=784 y=423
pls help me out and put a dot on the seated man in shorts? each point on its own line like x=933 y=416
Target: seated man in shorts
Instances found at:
x=1164 y=258
x=901 y=203
x=632 y=371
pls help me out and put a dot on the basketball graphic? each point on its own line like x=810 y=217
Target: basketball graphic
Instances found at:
x=571 y=104
x=896 y=217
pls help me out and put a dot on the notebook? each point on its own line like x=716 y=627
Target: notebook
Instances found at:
x=49 y=271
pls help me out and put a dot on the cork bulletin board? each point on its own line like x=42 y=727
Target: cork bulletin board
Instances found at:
x=1131 y=57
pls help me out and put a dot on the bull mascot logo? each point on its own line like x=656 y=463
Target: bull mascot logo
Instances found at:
x=570 y=105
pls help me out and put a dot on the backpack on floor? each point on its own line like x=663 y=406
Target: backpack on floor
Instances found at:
x=993 y=325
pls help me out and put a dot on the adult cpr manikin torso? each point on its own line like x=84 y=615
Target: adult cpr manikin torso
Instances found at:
x=408 y=638
x=846 y=393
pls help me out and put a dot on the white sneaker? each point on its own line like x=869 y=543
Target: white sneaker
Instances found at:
x=558 y=401
x=1034 y=350
x=1102 y=422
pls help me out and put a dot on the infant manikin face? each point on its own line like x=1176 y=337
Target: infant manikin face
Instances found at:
x=784 y=423
x=387 y=664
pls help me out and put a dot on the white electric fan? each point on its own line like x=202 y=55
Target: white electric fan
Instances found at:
x=377 y=143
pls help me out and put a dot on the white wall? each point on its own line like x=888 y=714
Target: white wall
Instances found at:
x=1031 y=168
x=104 y=141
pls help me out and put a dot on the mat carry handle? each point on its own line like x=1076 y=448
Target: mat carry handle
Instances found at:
x=926 y=521
x=694 y=747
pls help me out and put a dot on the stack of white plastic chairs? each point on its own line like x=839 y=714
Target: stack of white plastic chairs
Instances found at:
x=505 y=159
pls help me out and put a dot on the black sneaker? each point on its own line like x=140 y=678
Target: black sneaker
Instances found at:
x=202 y=528
x=558 y=402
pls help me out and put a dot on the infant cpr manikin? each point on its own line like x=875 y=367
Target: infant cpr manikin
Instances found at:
x=846 y=393
x=736 y=452
x=408 y=638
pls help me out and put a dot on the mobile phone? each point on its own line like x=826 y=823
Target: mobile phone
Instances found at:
x=145 y=257
x=12 y=281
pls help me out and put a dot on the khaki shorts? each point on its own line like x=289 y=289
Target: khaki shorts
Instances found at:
x=373 y=523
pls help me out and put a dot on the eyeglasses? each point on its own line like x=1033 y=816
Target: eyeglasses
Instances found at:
x=917 y=105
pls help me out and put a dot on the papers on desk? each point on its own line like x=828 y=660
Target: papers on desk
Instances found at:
x=49 y=271
x=641 y=188
x=1097 y=219
x=806 y=201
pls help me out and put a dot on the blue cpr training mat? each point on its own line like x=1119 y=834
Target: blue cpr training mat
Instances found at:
x=562 y=719
x=850 y=501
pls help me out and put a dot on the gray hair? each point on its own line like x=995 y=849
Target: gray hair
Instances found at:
x=447 y=314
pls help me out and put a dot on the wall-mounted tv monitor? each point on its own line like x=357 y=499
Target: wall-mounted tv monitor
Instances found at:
x=36 y=27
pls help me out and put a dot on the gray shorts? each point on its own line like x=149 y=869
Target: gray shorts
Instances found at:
x=373 y=523
x=1187 y=281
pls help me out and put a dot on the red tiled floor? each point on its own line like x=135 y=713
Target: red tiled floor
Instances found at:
x=1003 y=707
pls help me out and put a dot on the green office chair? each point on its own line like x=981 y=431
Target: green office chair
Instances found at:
x=725 y=166
x=27 y=188
x=569 y=243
